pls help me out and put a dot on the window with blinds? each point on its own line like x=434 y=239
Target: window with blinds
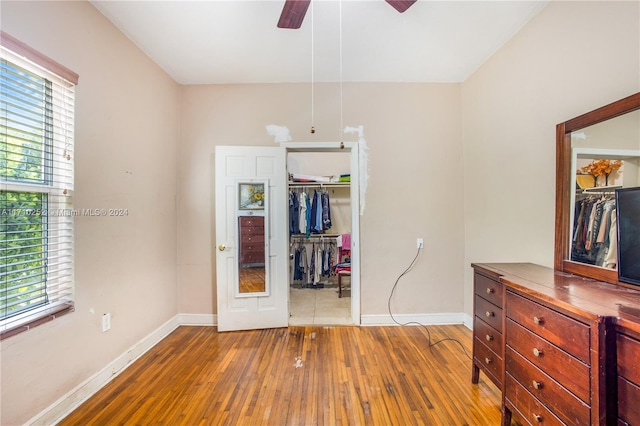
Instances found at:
x=36 y=187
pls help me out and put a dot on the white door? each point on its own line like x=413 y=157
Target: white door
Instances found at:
x=269 y=307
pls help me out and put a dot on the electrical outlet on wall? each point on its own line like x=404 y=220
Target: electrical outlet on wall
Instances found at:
x=420 y=243
x=106 y=322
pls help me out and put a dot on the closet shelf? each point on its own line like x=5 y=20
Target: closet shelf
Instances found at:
x=320 y=184
x=601 y=189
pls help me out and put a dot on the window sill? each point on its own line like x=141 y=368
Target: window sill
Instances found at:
x=37 y=320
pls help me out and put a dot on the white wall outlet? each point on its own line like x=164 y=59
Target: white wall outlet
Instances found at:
x=420 y=243
x=106 y=322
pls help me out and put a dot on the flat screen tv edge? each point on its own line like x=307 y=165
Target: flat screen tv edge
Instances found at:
x=628 y=224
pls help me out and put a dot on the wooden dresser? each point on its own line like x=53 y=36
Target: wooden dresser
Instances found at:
x=571 y=346
x=628 y=369
x=488 y=317
x=251 y=250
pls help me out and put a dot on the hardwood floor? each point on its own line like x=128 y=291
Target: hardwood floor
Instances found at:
x=299 y=376
x=252 y=280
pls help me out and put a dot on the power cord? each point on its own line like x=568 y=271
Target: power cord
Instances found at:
x=431 y=344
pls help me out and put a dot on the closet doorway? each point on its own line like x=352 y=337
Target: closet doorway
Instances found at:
x=329 y=173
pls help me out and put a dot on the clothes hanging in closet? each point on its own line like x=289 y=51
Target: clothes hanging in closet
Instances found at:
x=309 y=214
x=311 y=266
x=300 y=267
x=595 y=232
x=294 y=217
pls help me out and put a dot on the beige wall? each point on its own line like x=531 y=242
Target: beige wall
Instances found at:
x=570 y=59
x=127 y=131
x=415 y=181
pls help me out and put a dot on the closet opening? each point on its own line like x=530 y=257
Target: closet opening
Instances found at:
x=323 y=231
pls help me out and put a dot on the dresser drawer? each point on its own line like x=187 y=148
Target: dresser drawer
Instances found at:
x=490 y=313
x=487 y=335
x=253 y=257
x=628 y=358
x=564 y=332
x=530 y=410
x=252 y=222
x=491 y=362
x=564 y=404
x=628 y=402
x=253 y=248
x=489 y=289
x=252 y=239
x=567 y=370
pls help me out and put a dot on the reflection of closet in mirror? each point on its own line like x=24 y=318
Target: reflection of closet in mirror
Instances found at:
x=604 y=157
x=593 y=218
x=314 y=247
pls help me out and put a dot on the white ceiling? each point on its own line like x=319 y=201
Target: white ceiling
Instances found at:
x=237 y=41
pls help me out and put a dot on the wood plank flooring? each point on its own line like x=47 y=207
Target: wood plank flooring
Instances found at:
x=299 y=376
x=252 y=280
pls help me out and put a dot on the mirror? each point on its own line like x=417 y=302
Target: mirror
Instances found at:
x=252 y=239
x=596 y=153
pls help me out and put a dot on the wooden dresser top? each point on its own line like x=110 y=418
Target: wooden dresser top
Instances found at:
x=588 y=298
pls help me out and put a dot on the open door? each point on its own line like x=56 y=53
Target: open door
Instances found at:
x=251 y=247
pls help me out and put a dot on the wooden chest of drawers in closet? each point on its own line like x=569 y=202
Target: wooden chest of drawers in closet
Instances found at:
x=628 y=376
x=251 y=250
x=487 y=329
x=547 y=364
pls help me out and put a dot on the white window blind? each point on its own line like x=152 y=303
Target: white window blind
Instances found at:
x=36 y=188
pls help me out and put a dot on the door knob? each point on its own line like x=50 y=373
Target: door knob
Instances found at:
x=221 y=247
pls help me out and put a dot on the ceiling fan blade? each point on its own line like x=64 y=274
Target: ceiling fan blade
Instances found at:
x=401 y=5
x=293 y=13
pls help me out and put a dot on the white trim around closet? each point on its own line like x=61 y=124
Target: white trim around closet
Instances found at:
x=353 y=149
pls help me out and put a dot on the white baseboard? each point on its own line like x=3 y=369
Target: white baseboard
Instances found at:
x=74 y=398
x=198 y=319
x=468 y=321
x=416 y=319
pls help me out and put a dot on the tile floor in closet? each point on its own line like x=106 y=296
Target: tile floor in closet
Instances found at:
x=308 y=306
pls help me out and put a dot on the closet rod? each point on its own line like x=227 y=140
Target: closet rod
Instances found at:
x=315 y=236
x=586 y=194
x=600 y=191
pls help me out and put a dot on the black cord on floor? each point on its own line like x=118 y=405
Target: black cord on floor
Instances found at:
x=415 y=322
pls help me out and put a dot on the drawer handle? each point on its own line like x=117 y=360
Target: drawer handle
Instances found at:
x=490 y=290
x=487 y=360
x=537 y=320
x=489 y=337
x=537 y=418
x=489 y=314
x=537 y=352
x=537 y=385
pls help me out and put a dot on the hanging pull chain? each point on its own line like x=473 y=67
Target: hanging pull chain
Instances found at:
x=313 y=129
x=341 y=108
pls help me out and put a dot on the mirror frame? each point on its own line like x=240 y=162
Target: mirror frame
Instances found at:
x=562 y=261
